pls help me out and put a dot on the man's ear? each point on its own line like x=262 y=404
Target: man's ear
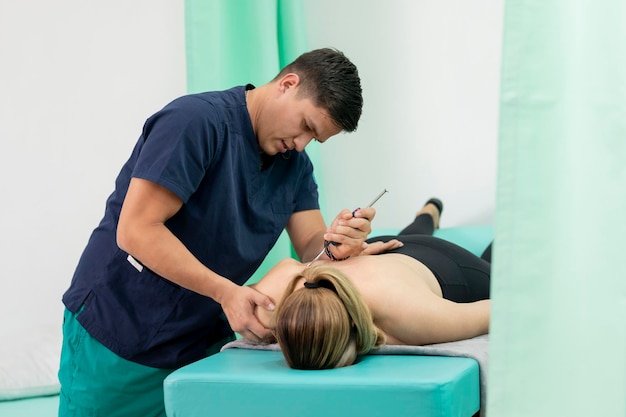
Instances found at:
x=287 y=81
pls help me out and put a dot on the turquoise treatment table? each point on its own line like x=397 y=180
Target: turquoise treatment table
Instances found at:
x=246 y=382
x=241 y=382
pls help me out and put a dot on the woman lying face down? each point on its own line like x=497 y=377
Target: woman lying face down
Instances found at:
x=427 y=291
x=331 y=313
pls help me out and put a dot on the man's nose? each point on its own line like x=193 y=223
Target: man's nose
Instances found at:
x=301 y=141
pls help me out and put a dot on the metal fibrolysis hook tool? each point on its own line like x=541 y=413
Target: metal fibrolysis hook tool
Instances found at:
x=353 y=213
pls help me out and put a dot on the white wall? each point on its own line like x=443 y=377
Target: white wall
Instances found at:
x=430 y=74
x=77 y=80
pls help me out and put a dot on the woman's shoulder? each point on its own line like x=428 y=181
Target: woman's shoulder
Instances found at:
x=273 y=285
x=276 y=279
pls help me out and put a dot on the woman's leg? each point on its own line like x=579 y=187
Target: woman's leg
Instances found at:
x=487 y=253
x=426 y=220
x=463 y=276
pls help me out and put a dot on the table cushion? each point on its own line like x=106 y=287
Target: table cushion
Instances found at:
x=241 y=382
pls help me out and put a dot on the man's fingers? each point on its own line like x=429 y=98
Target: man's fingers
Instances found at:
x=265 y=302
x=367 y=213
x=256 y=334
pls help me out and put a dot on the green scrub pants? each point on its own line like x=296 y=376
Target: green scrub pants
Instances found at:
x=97 y=382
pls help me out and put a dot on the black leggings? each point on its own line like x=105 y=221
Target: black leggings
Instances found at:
x=463 y=276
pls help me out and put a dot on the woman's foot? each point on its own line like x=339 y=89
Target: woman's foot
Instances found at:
x=433 y=207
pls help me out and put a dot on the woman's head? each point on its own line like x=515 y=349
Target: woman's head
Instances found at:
x=325 y=323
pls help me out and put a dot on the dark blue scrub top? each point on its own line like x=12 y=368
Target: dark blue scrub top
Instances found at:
x=202 y=148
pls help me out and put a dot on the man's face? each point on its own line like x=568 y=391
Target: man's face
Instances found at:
x=289 y=121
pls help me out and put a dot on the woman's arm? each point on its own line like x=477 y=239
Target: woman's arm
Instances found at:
x=427 y=318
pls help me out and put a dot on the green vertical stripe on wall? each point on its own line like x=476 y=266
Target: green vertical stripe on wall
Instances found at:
x=234 y=42
x=290 y=30
x=558 y=329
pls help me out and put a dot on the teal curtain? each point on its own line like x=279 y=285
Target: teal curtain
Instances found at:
x=234 y=42
x=558 y=330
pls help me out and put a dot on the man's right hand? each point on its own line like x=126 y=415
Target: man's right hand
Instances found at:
x=238 y=303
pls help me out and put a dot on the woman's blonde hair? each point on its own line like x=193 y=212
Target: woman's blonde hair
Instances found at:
x=316 y=325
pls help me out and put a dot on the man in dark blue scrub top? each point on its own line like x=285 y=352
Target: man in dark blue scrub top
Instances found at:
x=210 y=185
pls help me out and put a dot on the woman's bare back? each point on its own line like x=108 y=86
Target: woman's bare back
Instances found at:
x=402 y=294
